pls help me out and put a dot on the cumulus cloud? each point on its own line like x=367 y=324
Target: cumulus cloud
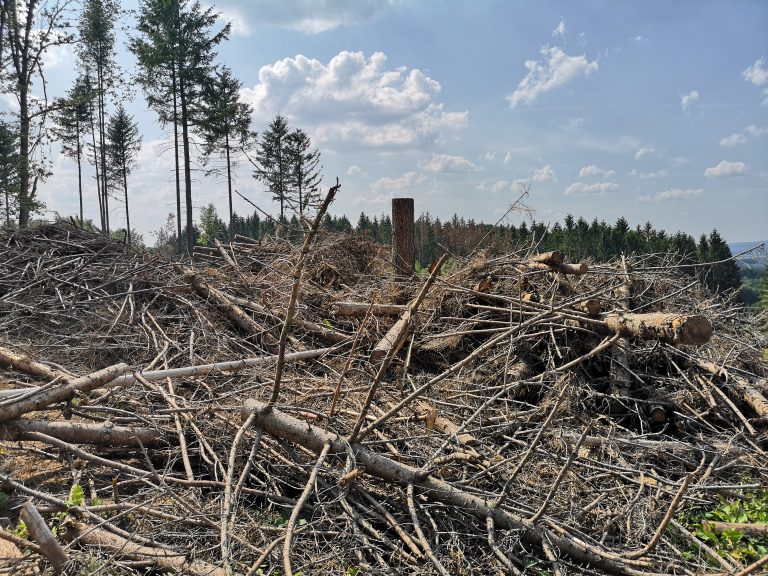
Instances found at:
x=494 y=187
x=593 y=170
x=688 y=100
x=556 y=69
x=315 y=16
x=750 y=131
x=726 y=168
x=237 y=19
x=644 y=151
x=354 y=100
x=354 y=170
x=407 y=181
x=544 y=174
x=559 y=31
x=447 y=163
x=672 y=194
x=757 y=73
x=598 y=189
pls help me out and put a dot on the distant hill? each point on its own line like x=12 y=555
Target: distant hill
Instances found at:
x=756 y=258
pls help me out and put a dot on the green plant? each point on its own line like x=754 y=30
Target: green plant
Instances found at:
x=753 y=508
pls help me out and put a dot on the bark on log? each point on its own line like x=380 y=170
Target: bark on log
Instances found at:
x=11 y=359
x=104 y=434
x=357 y=309
x=286 y=427
x=671 y=328
x=59 y=393
x=554 y=257
x=739 y=388
x=164 y=560
x=233 y=312
x=748 y=529
x=199 y=370
x=403 y=249
x=40 y=533
x=563 y=268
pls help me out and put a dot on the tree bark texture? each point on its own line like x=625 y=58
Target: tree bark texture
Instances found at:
x=403 y=249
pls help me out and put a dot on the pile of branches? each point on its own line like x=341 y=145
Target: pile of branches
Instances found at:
x=265 y=408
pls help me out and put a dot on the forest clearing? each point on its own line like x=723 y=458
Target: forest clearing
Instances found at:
x=270 y=408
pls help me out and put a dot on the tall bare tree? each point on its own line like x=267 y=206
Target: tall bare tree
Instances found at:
x=29 y=29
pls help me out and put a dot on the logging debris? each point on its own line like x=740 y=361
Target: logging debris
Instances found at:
x=513 y=414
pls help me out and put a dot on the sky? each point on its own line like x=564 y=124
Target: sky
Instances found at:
x=656 y=110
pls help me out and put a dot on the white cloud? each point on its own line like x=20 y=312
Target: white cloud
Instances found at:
x=10 y=100
x=688 y=100
x=672 y=194
x=742 y=137
x=407 y=181
x=726 y=168
x=239 y=22
x=733 y=140
x=354 y=171
x=648 y=175
x=507 y=158
x=353 y=100
x=544 y=174
x=756 y=73
x=447 y=163
x=557 y=69
x=314 y=17
x=593 y=170
x=560 y=30
x=644 y=151
x=495 y=187
x=598 y=189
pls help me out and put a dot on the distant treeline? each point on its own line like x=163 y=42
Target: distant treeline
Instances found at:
x=577 y=239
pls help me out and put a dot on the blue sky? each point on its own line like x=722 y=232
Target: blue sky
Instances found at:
x=654 y=110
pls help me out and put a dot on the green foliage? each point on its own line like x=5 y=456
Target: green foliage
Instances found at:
x=76 y=495
x=211 y=226
x=9 y=171
x=751 y=509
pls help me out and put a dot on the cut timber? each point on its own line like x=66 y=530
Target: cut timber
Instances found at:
x=286 y=427
x=104 y=434
x=163 y=560
x=43 y=397
x=41 y=534
x=739 y=388
x=395 y=336
x=442 y=424
x=190 y=371
x=555 y=257
x=235 y=314
x=671 y=328
x=344 y=309
x=563 y=268
x=403 y=248
x=746 y=528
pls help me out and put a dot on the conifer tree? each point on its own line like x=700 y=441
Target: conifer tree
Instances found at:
x=123 y=145
x=175 y=48
x=9 y=170
x=273 y=163
x=303 y=174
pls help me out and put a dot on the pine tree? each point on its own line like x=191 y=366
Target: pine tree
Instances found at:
x=123 y=145
x=303 y=174
x=175 y=50
x=225 y=124
x=71 y=117
x=273 y=163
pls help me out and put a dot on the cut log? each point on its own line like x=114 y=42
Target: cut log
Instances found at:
x=671 y=328
x=41 y=398
x=286 y=427
x=163 y=560
x=739 y=388
x=554 y=257
x=104 y=434
x=748 y=529
x=563 y=268
x=40 y=533
x=233 y=312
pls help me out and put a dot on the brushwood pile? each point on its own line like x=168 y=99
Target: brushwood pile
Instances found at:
x=264 y=407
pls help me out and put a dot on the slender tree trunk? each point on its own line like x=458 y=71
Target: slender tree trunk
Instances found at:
x=125 y=189
x=79 y=169
x=24 y=123
x=98 y=177
x=187 y=167
x=103 y=150
x=229 y=187
x=174 y=79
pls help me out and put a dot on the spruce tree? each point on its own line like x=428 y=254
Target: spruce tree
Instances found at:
x=175 y=49
x=9 y=170
x=273 y=163
x=123 y=145
x=303 y=174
